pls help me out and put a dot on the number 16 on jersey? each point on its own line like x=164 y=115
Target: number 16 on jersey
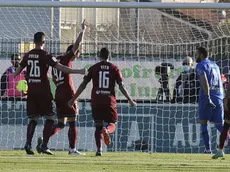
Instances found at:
x=104 y=79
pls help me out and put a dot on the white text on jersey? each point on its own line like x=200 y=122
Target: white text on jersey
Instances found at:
x=104 y=67
x=33 y=56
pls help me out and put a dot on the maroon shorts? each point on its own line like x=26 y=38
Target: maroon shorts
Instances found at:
x=63 y=110
x=107 y=114
x=39 y=105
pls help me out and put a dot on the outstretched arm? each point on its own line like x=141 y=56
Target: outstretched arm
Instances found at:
x=79 y=38
x=78 y=93
x=68 y=70
x=126 y=94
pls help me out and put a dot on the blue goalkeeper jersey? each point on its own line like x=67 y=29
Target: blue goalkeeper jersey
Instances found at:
x=212 y=72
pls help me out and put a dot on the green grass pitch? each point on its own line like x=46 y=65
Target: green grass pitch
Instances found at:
x=18 y=161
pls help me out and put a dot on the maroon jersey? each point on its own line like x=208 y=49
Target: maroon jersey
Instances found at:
x=64 y=82
x=37 y=62
x=104 y=76
x=65 y=88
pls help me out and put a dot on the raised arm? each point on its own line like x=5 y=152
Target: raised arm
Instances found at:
x=79 y=38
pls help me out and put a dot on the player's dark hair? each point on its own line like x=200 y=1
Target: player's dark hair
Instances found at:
x=202 y=51
x=39 y=37
x=13 y=56
x=104 y=53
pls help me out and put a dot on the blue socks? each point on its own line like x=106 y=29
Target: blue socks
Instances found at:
x=205 y=135
x=204 y=130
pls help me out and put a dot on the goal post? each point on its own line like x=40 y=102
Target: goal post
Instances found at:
x=116 y=4
x=141 y=36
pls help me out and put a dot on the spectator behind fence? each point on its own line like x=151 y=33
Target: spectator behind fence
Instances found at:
x=187 y=85
x=8 y=82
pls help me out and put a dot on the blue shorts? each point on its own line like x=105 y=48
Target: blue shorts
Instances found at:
x=214 y=115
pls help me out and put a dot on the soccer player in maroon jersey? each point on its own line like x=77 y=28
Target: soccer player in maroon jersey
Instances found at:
x=104 y=109
x=64 y=92
x=225 y=130
x=40 y=100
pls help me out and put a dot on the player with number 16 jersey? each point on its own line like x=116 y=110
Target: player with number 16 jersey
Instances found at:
x=104 y=75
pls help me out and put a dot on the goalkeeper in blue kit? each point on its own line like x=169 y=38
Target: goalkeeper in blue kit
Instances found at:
x=211 y=95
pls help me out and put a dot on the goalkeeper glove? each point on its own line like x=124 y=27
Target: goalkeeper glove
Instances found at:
x=209 y=102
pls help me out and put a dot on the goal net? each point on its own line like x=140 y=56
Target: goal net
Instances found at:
x=140 y=40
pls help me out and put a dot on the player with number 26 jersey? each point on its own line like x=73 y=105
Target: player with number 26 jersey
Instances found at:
x=37 y=62
x=39 y=99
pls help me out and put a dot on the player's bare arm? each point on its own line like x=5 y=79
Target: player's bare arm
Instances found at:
x=206 y=88
x=126 y=94
x=18 y=71
x=205 y=85
x=68 y=70
x=79 y=38
x=78 y=93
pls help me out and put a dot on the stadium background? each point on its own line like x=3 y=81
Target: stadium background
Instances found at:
x=169 y=36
